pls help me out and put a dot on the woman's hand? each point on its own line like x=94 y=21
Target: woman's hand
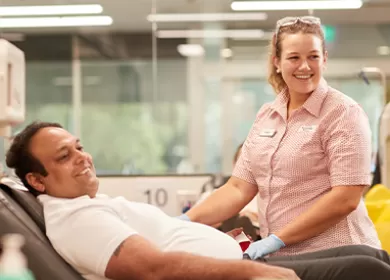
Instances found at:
x=264 y=247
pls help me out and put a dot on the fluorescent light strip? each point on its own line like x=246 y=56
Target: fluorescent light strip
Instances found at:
x=295 y=5
x=235 y=34
x=55 y=21
x=190 y=50
x=50 y=10
x=206 y=17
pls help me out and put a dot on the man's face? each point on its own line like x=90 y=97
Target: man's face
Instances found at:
x=70 y=170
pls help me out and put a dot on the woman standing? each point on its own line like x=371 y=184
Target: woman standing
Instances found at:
x=308 y=155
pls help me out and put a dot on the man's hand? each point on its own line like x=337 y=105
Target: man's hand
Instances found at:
x=264 y=247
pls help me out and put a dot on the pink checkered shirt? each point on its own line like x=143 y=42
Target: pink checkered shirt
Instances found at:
x=325 y=143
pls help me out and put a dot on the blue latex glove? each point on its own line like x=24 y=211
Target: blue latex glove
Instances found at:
x=264 y=247
x=184 y=217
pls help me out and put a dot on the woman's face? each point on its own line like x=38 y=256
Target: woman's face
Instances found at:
x=302 y=62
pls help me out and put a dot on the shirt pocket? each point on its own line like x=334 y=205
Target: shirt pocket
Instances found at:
x=301 y=154
x=262 y=149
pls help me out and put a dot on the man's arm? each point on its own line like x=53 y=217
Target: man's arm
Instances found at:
x=136 y=258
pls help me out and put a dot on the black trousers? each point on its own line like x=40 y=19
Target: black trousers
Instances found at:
x=341 y=263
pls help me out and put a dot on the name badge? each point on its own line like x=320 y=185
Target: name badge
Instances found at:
x=268 y=132
x=307 y=128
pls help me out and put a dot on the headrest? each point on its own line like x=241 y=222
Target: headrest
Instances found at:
x=43 y=260
x=12 y=206
x=28 y=202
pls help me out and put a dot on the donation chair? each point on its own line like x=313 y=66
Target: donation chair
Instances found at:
x=21 y=213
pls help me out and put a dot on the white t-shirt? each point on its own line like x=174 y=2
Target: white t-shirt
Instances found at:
x=86 y=232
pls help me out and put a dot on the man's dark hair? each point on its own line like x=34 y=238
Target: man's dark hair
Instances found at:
x=20 y=158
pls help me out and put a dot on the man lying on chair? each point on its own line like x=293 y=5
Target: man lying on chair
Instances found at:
x=112 y=238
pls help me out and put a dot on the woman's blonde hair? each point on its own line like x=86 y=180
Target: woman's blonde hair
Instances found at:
x=274 y=78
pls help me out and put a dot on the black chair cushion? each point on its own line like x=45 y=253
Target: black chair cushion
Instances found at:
x=44 y=262
x=29 y=203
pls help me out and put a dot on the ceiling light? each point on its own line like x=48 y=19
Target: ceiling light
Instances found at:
x=235 y=33
x=190 y=50
x=206 y=17
x=55 y=21
x=50 y=10
x=383 y=50
x=295 y=5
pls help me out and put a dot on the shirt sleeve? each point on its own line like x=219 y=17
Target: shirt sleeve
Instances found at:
x=243 y=169
x=87 y=239
x=347 y=140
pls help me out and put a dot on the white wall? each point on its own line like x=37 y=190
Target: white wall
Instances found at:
x=165 y=192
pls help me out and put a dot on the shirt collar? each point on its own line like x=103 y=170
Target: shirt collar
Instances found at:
x=313 y=104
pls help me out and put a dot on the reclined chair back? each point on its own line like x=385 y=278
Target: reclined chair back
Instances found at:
x=43 y=260
x=29 y=204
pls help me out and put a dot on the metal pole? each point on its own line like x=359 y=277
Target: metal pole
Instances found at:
x=382 y=77
x=154 y=60
x=5 y=136
x=383 y=148
x=76 y=87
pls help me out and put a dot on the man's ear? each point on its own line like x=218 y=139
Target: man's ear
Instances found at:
x=35 y=181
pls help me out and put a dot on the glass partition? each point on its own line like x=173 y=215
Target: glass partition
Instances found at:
x=176 y=96
x=246 y=96
x=125 y=128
